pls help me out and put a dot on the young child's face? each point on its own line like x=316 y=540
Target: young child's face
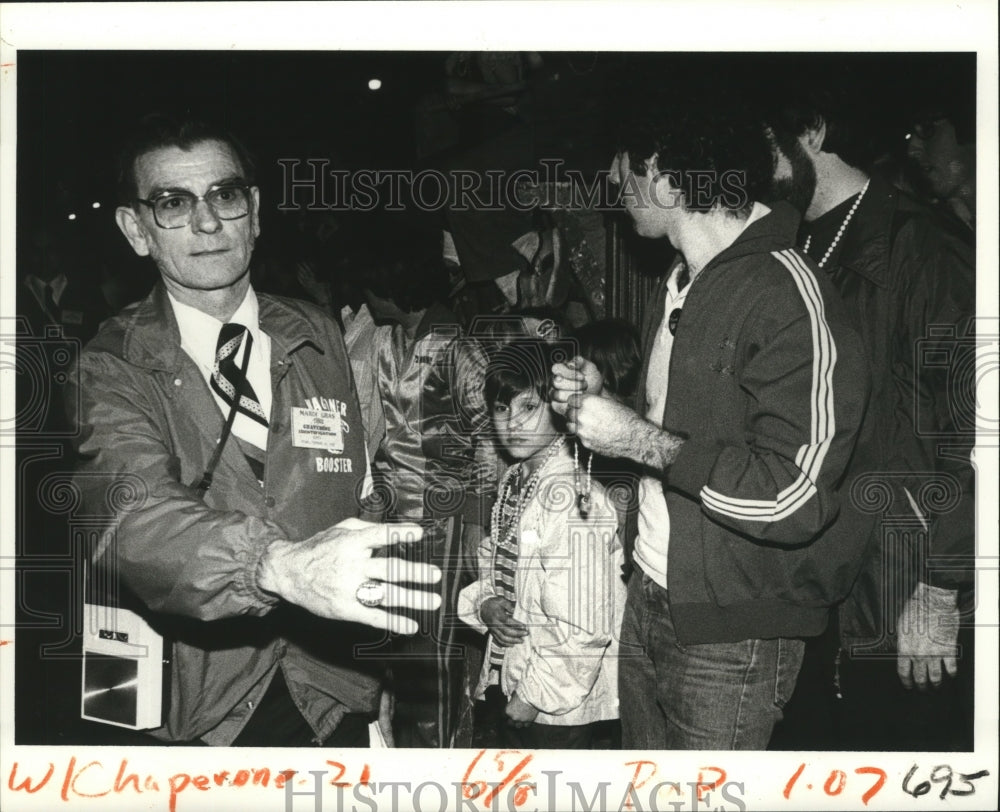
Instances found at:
x=525 y=426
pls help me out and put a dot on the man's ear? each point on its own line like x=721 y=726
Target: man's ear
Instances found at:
x=665 y=185
x=814 y=137
x=654 y=175
x=133 y=229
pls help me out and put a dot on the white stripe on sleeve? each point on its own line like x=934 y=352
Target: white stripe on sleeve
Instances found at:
x=809 y=458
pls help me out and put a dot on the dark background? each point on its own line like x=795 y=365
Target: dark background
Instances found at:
x=74 y=106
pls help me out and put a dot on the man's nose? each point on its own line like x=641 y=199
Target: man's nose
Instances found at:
x=204 y=218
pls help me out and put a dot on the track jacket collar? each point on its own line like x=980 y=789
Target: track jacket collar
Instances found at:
x=774 y=231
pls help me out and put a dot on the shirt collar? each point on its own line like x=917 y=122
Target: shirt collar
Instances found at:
x=200 y=331
x=673 y=277
x=38 y=285
x=758 y=211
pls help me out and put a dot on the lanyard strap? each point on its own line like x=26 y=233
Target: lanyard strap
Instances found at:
x=206 y=478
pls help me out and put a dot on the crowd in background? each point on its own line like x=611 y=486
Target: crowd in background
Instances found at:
x=448 y=345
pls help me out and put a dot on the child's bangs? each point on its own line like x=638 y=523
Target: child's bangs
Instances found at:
x=521 y=366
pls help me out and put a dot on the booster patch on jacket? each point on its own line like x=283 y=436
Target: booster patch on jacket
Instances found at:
x=148 y=426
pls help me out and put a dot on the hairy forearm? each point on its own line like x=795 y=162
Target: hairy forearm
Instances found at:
x=612 y=429
x=653 y=447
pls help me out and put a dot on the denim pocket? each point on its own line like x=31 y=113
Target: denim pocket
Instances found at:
x=786 y=667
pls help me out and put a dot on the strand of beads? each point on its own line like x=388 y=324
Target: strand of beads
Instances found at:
x=507 y=530
x=582 y=493
x=841 y=230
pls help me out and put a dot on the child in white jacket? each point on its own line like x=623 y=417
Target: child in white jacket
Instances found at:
x=549 y=593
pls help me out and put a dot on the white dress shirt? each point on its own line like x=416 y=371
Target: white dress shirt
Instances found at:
x=199 y=339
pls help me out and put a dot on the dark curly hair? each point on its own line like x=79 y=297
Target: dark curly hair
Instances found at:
x=945 y=91
x=613 y=346
x=714 y=150
x=827 y=92
x=523 y=365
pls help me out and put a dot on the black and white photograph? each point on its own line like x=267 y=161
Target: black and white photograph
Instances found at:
x=619 y=419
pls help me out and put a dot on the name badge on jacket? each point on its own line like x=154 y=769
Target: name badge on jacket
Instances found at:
x=317 y=428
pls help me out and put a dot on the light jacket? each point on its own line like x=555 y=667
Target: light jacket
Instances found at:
x=768 y=385
x=148 y=425
x=570 y=595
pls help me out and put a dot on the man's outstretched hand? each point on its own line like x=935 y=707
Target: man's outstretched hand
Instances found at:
x=323 y=573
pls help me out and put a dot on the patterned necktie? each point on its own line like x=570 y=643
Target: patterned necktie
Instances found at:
x=228 y=380
x=505 y=560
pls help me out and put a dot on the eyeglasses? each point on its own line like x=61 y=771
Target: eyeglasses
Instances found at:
x=175 y=209
x=926 y=128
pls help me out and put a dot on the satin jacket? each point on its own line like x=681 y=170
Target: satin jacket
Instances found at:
x=434 y=456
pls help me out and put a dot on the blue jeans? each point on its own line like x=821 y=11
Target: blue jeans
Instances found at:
x=709 y=696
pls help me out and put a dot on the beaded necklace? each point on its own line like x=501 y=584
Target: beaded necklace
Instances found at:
x=582 y=490
x=504 y=521
x=841 y=230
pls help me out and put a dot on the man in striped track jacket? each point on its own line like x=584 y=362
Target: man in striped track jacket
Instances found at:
x=744 y=534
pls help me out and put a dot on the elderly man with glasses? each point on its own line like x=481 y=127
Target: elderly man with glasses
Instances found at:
x=233 y=419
